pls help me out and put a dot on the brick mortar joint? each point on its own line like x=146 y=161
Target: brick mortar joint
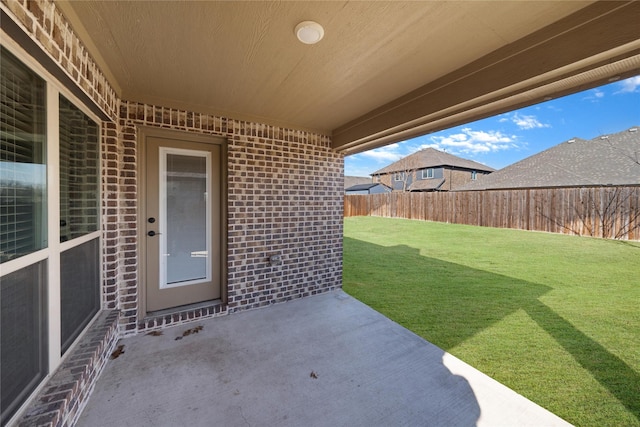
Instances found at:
x=234 y=129
x=109 y=103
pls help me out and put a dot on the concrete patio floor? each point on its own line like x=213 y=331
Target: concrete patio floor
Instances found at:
x=326 y=360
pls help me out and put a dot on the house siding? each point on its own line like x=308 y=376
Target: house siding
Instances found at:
x=375 y=189
x=284 y=197
x=454 y=178
x=457 y=178
x=438 y=173
x=385 y=179
x=378 y=189
x=403 y=184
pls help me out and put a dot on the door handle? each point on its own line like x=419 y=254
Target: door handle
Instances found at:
x=152 y=233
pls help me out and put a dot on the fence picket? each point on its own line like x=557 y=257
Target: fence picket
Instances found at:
x=611 y=212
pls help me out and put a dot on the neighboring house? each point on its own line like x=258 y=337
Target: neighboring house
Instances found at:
x=350 y=181
x=165 y=162
x=371 y=188
x=430 y=170
x=604 y=160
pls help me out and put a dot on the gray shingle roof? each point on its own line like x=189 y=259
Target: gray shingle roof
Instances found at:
x=360 y=187
x=431 y=158
x=605 y=160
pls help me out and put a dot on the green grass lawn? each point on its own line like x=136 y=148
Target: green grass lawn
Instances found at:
x=554 y=317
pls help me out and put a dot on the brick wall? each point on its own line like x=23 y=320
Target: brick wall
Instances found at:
x=284 y=199
x=110 y=208
x=61 y=400
x=285 y=190
x=43 y=22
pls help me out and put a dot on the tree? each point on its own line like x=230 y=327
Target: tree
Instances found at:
x=405 y=171
x=604 y=212
x=610 y=212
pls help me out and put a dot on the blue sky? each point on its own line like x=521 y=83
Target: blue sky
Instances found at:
x=507 y=138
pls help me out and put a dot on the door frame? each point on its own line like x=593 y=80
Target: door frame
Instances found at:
x=145 y=132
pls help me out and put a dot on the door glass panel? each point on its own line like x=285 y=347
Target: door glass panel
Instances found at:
x=184 y=217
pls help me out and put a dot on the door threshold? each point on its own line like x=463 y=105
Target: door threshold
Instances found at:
x=182 y=314
x=181 y=308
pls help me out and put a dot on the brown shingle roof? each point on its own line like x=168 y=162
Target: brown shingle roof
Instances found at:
x=426 y=184
x=605 y=160
x=431 y=158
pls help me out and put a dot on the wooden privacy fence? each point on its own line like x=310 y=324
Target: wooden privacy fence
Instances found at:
x=609 y=212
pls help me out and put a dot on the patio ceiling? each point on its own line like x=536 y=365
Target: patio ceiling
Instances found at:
x=384 y=72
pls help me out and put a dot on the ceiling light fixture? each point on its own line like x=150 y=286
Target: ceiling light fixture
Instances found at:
x=309 y=32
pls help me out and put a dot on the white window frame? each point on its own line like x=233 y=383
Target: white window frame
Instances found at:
x=398 y=176
x=162 y=197
x=474 y=175
x=55 y=248
x=428 y=173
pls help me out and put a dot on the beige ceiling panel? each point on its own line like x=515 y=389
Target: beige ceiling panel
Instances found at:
x=241 y=59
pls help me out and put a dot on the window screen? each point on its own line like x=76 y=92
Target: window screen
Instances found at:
x=23 y=346
x=23 y=185
x=79 y=289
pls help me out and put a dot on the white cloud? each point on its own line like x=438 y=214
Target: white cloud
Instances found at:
x=470 y=141
x=629 y=85
x=387 y=154
x=432 y=145
x=527 y=122
x=594 y=95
